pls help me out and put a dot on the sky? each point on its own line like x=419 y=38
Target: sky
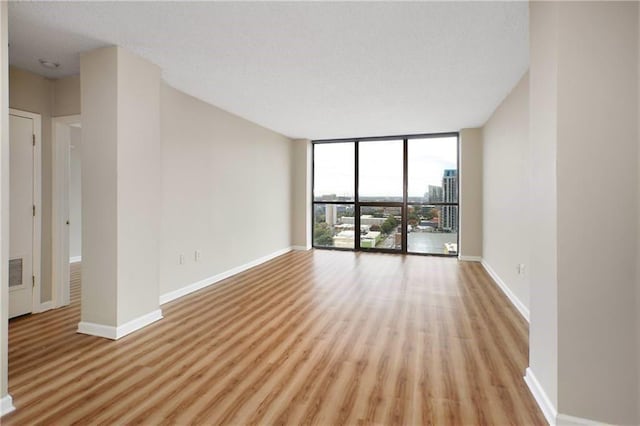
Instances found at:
x=381 y=166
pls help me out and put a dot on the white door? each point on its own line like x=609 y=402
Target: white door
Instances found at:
x=21 y=135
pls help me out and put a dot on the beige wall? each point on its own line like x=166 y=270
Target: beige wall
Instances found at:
x=66 y=96
x=99 y=190
x=597 y=158
x=4 y=202
x=120 y=188
x=505 y=184
x=138 y=185
x=543 y=309
x=584 y=147
x=471 y=165
x=301 y=194
x=226 y=190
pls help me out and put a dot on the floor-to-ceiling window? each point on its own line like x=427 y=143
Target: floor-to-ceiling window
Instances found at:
x=393 y=194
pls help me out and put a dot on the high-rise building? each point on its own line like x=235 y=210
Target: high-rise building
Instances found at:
x=449 y=220
x=331 y=215
x=433 y=194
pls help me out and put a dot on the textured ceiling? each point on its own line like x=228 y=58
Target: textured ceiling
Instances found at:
x=313 y=70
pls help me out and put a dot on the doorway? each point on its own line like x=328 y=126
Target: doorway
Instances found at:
x=67 y=216
x=25 y=212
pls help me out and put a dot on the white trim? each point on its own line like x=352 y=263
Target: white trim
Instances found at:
x=190 y=288
x=300 y=248
x=115 y=333
x=93 y=329
x=470 y=258
x=60 y=211
x=46 y=306
x=75 y=259
x=565 y=420
x=545 y=404
x=37 y=201
x=138 y=323
x=6 y=405
x=524 y=311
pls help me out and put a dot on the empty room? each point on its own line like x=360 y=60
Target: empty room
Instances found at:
x=320 y=213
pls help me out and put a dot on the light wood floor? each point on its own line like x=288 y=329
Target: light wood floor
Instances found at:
x=314 y=337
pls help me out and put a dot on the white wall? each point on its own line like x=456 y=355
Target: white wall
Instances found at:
x=505 y=188
x=75 y=194
x=226 y=191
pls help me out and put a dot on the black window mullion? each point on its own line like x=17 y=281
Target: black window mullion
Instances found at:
x=356 y=207
x=405 y=193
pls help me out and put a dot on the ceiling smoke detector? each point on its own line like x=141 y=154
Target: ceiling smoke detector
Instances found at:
x=49 y=64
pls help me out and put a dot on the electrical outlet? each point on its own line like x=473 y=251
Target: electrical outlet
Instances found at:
x=181 y=259
x=521 y=269
x=198 y=255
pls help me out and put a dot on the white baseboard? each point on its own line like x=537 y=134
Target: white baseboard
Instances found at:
x=524 y=311
x=565 y=420
x=100 y=330
x=6 y=405
x=545 y=404
x=45 y=306
x=75 y=259
x=138 y=323
x=190 y=288
x=115 y=333
x=300 y=248
x=548 y=409
x=470 y=258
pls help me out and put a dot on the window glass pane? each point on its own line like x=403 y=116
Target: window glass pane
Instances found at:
x=380 y=167
x=381 y=227
x=432 y=229
x=433 y=170
x=333 y=225
x=333 y=171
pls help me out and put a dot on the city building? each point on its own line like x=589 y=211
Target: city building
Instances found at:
x=331 y=215
x=450 y=195
x=433 y=194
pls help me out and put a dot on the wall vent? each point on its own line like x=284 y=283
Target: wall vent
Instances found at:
x=15 y=272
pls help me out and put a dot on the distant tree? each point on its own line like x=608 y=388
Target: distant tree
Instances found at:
x=413 y=218
x=322 y=234
x=389 y=224
x=386 y=227
x=375 y=228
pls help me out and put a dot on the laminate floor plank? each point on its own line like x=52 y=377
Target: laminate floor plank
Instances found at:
x=317 y=338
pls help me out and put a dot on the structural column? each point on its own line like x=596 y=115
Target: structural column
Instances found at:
x=301 y=194
x=120 y=95
x=471 y=195
x=584 y=223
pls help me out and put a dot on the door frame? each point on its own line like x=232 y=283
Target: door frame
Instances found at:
x=60 y=213
x=36 y=304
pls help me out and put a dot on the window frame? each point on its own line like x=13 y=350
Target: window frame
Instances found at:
x=404 y=204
